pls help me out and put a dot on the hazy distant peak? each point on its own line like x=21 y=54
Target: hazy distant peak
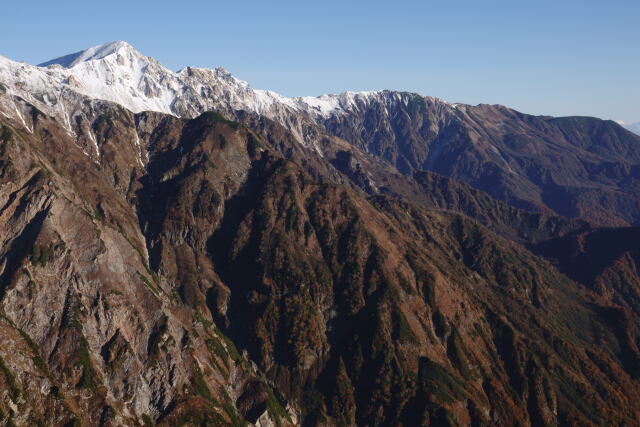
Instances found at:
x=633 y=127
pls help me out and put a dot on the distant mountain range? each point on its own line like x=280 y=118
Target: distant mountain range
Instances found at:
x=181 y=249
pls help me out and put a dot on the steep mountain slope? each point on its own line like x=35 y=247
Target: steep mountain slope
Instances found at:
x=605 y=260
x=118 y=73
x=326 y=280
x=290 y=269
x=92 y=334
x=577 y=167
x=354 y=310
x=516 y=224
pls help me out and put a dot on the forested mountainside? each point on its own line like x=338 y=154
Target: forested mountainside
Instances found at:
x=285 y=267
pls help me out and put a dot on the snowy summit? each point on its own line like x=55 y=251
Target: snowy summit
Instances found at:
x=91 y=54
x=118 y=73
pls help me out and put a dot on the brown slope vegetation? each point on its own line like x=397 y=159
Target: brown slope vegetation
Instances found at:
x=516 y=224
x=353 y=309
x=423 y=188
x=183 y=198
x=424 y=318
x=91 y=334
x=605 y=260
x=576 y=166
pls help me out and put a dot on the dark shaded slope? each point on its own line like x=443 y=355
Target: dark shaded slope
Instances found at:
x=91 y=334
x=605 y=260
x=354 y=309
x=387 y=313
x=576 y=166
x=516 y=224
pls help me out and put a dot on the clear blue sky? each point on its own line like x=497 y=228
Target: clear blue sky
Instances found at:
x=559 y=57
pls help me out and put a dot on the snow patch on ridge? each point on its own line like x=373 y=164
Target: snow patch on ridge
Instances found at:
x=118 y=73
x=93 y=53
x=326 y=105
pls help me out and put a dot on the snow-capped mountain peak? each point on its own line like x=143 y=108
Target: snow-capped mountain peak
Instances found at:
x=91 y=54
x=118 y=73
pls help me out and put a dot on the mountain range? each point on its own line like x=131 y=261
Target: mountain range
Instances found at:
x=178 y=248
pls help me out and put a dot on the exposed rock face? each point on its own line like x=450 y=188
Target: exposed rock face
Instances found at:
x=204 y=271
x=93 y=333
x=128 y=285
x=574 y=166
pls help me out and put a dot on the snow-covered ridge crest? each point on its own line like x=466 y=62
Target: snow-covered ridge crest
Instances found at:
x=91 y=54
x=118 y=73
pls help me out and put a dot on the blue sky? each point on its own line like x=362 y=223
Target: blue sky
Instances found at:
x=561 y=57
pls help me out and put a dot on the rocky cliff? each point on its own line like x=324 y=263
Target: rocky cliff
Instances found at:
x=229 y=268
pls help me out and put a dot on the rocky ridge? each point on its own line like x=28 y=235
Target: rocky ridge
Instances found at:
x=575 y=166
x=210 y=271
